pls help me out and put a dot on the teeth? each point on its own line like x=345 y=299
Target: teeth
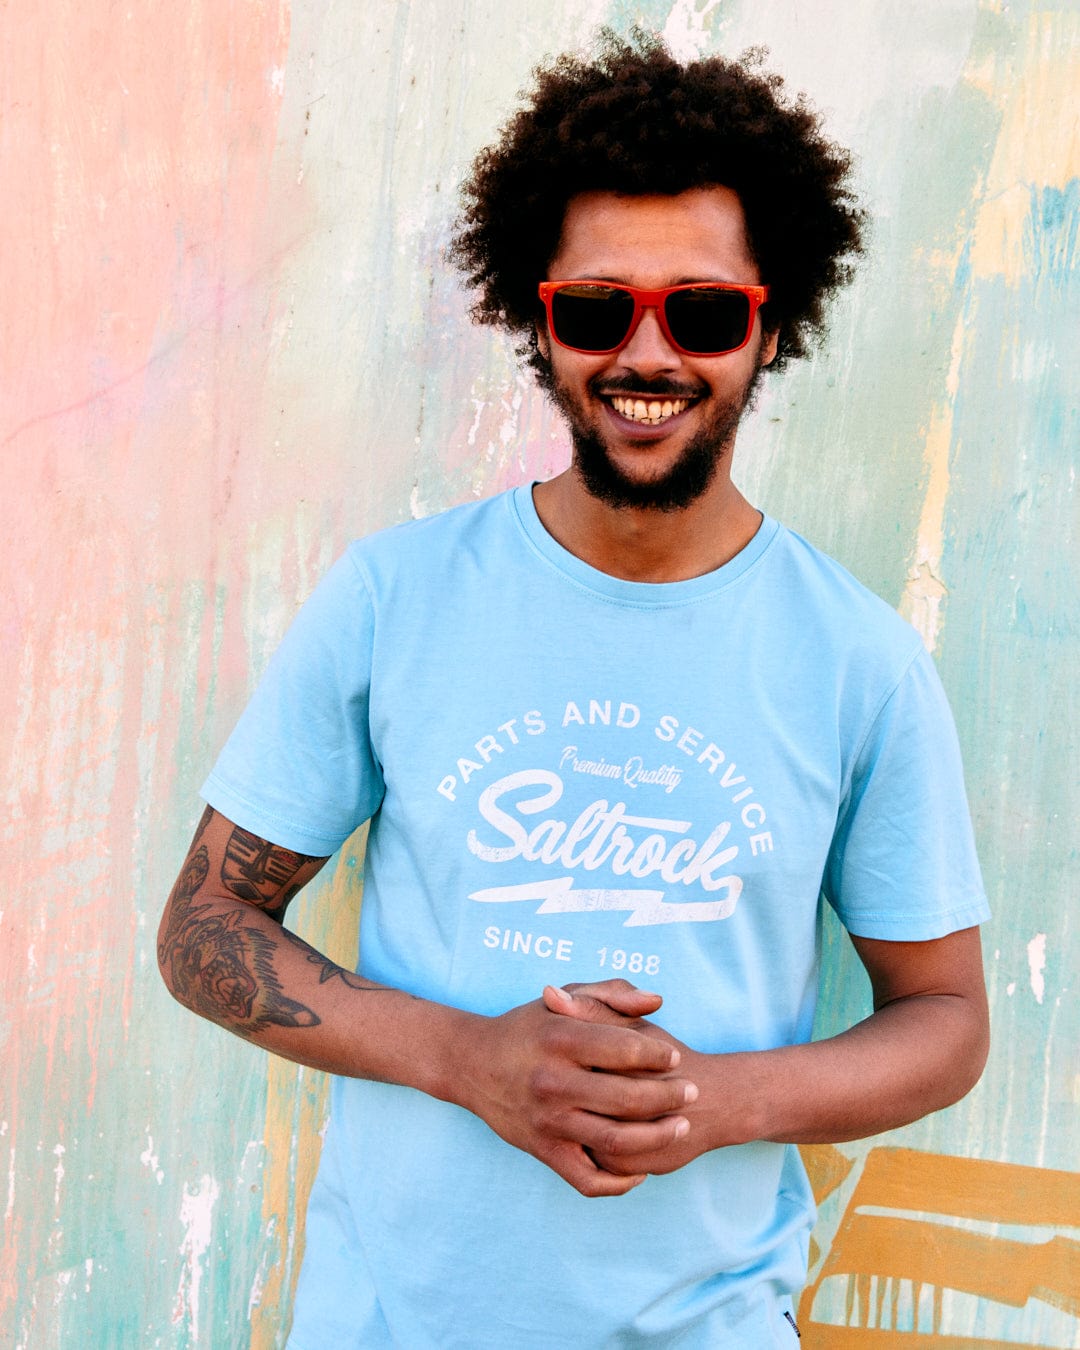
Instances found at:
x=651 y=413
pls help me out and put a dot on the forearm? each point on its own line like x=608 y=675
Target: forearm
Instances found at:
x=911 y=1057
x=235 y=964
x=922 y=1049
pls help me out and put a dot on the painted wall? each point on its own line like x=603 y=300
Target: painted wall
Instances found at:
x=229 y=343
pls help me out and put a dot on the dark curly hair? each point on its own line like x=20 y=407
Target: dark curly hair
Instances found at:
x=636 y=121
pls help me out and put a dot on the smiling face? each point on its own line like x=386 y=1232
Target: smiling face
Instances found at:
x=652 y=426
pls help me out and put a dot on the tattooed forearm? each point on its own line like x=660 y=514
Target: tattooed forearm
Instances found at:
x=220 y=965
x=328 y=970
x=259 y=872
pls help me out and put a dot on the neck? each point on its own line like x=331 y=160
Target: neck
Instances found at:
x=644 y=544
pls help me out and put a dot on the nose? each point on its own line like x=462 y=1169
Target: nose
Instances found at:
x=647 y=351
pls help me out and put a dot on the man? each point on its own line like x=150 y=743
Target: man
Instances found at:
x=617 y=732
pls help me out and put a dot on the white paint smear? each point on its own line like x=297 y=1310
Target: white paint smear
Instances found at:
x=149 y=1159
x=63 y=1279
x=1036 y=953
x=196 y=1215
x=685 y=31
x=58 y=1172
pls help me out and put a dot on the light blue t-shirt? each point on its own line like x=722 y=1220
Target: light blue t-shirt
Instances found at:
x=574 y=777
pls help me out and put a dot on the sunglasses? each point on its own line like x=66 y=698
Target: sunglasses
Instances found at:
x=703 y=318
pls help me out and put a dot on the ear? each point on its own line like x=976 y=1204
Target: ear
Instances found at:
x=543 y=342
x=770 y=340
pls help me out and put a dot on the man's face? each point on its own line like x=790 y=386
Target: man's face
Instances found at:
x=699 y=235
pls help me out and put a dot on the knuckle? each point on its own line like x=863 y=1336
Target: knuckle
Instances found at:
x=610 y=1141
x=557 y=1036
x=543 y=1084
x=641 y=1052
x=639 y=1099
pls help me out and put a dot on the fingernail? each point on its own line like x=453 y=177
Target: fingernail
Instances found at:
x=682 y=1128
x=690 y=1092
x=561 y=994
x=675 y=1057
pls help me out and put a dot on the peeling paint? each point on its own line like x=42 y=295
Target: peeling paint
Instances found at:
x=149 y=1159
x=1036 y=955
x=196 y=1216
x=687 y=28
x=58 y=1173
x=923 y=601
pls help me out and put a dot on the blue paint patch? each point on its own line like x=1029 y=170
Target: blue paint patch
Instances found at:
x=1051 y=232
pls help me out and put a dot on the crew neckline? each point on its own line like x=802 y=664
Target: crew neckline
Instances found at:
x=647 y=594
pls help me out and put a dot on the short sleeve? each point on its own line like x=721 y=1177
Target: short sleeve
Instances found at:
x=299 y=769
x=902 y=866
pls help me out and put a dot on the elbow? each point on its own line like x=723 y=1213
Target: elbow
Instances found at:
x=169 y=960
x=971 y=1054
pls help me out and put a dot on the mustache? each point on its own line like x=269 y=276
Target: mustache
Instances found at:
x=661 y=387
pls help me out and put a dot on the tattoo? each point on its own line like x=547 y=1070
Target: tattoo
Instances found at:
x=328 y=970
x=259 y=872
x=204 y=820
x=221 y=967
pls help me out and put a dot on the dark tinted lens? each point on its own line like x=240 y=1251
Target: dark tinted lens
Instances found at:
x=707 y=320
x=594 y=318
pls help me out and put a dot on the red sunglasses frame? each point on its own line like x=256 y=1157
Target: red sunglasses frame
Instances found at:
x=654 y=299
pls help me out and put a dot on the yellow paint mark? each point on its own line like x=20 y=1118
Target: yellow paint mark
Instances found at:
x=923 y=601
x=1039 y=140
x=296 y=1106
x=826 y=1167
x=878 y=1252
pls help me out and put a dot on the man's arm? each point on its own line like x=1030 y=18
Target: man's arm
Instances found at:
x=529 y=1074
x=922 y=1049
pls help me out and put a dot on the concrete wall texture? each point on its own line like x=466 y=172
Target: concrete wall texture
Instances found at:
x=230 y=343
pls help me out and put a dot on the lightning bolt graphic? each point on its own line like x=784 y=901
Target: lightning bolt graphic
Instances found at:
x=646 y=908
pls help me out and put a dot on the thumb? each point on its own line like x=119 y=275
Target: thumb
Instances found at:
x=606 y=1001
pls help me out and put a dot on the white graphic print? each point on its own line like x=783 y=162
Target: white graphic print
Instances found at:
x=648 y=907
x=676 y=859
x=633 y=772
x=602 y=835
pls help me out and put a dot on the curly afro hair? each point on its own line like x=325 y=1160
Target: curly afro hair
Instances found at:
x=636 y=121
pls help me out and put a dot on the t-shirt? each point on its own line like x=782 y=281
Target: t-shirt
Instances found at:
x=572 y=777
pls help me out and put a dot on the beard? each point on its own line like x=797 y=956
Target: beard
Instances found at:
x=688 y=477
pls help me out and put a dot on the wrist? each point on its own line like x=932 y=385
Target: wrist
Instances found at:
x=449 y=1067
x=734 y=1106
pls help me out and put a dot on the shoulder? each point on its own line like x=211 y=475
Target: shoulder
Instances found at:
x=434 y=548
x=846 y=623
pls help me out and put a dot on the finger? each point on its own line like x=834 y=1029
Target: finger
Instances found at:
x=618 y=1140
x=620 y=1098
x=602 y=997
x=630 y=1165
x=615 y=1049
x=571 y=1162
x=633 y=1164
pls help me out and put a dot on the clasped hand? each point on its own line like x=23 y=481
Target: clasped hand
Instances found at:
x=581 y=1082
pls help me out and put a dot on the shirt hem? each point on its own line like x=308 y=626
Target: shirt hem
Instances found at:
x=275 y=829
x=890 y=928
